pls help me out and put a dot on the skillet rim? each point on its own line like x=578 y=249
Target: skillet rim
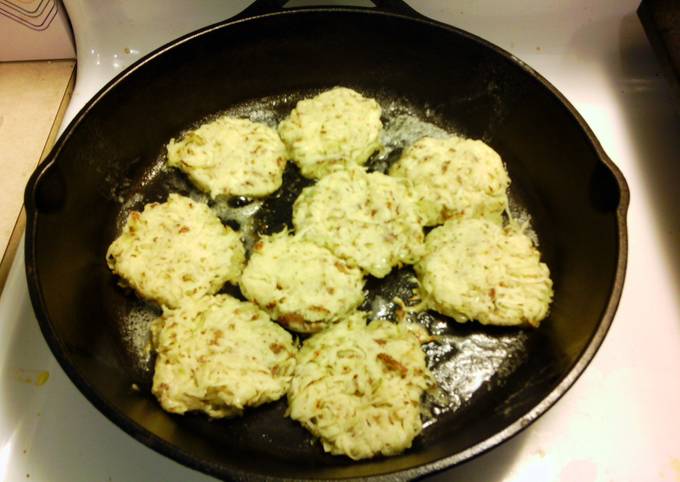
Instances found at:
x=218 y=470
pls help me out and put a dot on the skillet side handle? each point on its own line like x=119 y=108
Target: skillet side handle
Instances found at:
x=45 y=190
x=623 y=192
x=263 y=7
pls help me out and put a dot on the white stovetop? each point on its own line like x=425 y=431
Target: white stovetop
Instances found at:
x=618 y=423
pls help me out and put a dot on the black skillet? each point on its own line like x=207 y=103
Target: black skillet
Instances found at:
x=105 y=163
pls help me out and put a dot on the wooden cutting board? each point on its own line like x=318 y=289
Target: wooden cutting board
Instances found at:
x=33 y=97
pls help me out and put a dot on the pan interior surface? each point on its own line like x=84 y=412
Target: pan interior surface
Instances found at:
x=111 y=161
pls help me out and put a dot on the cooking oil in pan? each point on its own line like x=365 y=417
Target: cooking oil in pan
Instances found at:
x=464 y=359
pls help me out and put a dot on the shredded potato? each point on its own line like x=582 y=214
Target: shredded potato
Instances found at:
x=358 y=387
x=454 y=177
x=368 y=219
x=218 y=355
x=476 y=269
x=338 y=127
x=231 y=157
x=174 y=250
x=301 y=285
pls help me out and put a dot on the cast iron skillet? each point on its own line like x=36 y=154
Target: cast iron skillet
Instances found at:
x=106 y=163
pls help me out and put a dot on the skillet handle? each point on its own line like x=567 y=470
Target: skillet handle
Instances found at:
x=45 y=190
x=263 y=7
